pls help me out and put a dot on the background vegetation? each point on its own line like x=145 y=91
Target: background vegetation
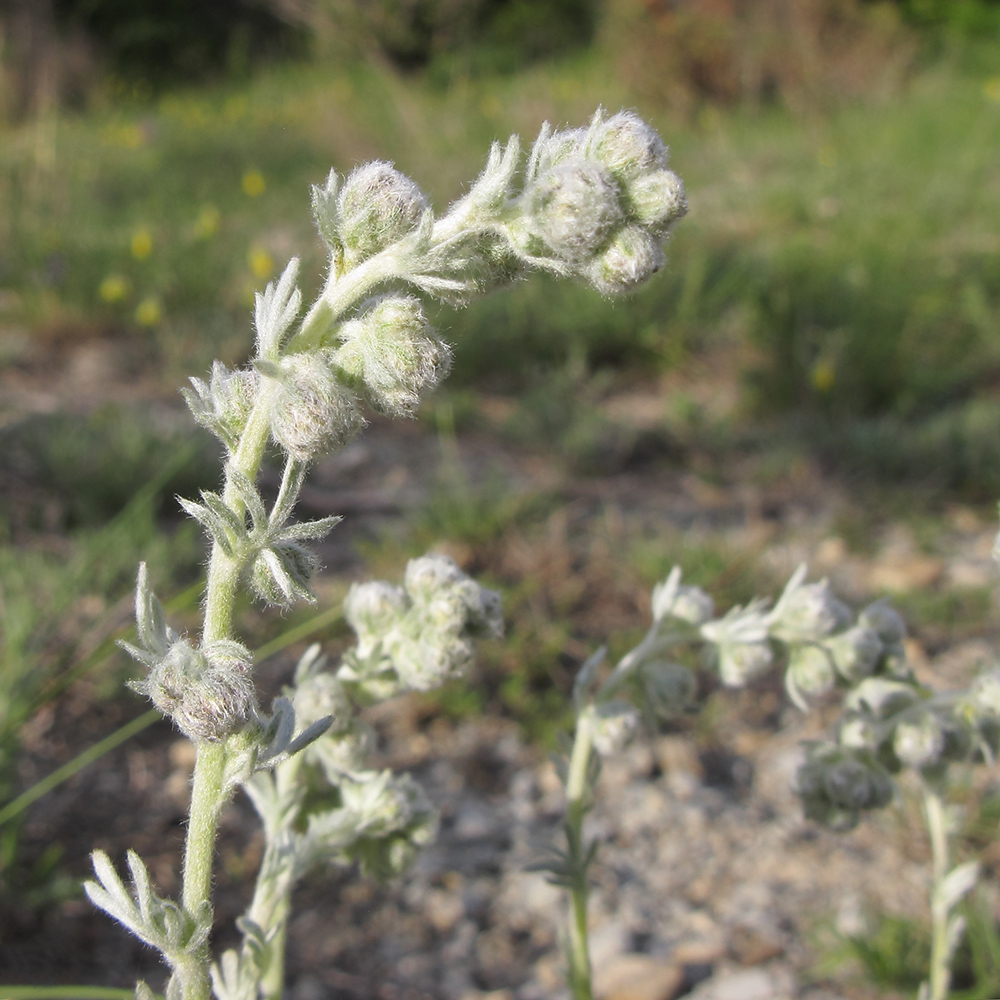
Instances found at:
x=834 y=293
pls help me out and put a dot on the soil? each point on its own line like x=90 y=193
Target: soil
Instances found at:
x=709 y=882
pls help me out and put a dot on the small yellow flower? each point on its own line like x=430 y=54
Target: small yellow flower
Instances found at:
x=253 y=183
x=991 y=89
x=207 y=224
x=113 y=288
x=149 y=312
x=823 y=376
x=261 y=263
x=142 y=243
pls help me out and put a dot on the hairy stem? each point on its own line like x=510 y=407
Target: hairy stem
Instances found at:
x=940 y=971
x=206 y=803
x=576 y=809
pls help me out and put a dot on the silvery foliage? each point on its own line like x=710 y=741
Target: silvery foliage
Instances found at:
x=372 y=817
x=160 y=923
x=890 y=720
x=594 y=203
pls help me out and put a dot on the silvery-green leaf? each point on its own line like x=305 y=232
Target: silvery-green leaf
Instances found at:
x=145 y=898
x=953 y=934
x=309 y=530
x=275 y=310
x=309 y=735
x=210 y=521
x=248 y=496
x=233 y=521
x=152 y=627
x=956 y=884
x=291 y=485
x=324 y=208
x=586 y=676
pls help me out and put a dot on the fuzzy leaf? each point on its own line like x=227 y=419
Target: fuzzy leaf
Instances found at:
x=324 y=209
x=209 y=520
x=275 y=310
x=956 y=884
x=249 y=497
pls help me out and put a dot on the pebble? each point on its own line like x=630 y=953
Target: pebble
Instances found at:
x=637 y=977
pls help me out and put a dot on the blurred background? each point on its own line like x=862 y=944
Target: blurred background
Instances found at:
x=816 y=374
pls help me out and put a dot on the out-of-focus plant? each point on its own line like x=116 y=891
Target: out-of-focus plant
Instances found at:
x=890 y=723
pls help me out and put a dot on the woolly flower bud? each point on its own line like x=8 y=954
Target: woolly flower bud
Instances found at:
x=393 y=354
x=632 y=257
x=859 y=732
x=837 y=783
x=886 y=622
x=855 y=652
x=280 y=574
x=985 y=694
x=807 y=611
x=426 y=662
x=312 y=412
x=344 y=750
x=919 y=743
x=881 y=697
x=320 y=696
x=627 y=146
x=450 y=598
x=669 y=688
x=376 y=207
x=371 y=609
x=687 y=604
x=741 y=662
x=614 y=723
x=656 y=201
x=810 y=670
x=208 y=693
x=852 y=784
x=575 y=206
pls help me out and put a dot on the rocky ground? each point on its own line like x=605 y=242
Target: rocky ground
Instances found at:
x=709 y=882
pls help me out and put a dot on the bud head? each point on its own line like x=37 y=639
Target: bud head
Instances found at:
x=985 y=694
x=808 y=612
x=656 y=201
x=371 y=609
x=208 y=695
x=669 y=688
x=376 y=207
x=742 y=662
x=811 y=670
x=614 y=723
x=886 y=622
x=392 y=354
x=632 y=257
x=671 y=599
x=855 y=652
x=919 y=743
x=312 y=412
x=575 y=206
x=628 y=147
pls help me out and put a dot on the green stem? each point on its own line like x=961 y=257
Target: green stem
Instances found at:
x=940 y=971
x=207 y=796
x=576 y=809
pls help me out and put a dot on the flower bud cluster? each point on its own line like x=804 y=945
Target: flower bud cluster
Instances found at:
x=391 y=354
x=312 y=410
x=376 y=206
x=838 y=783
x=207 y=691
x=601 y=201
x=418 y=636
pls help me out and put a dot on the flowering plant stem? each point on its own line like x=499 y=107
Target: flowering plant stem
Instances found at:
x=576 y=809
x=940 y=970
